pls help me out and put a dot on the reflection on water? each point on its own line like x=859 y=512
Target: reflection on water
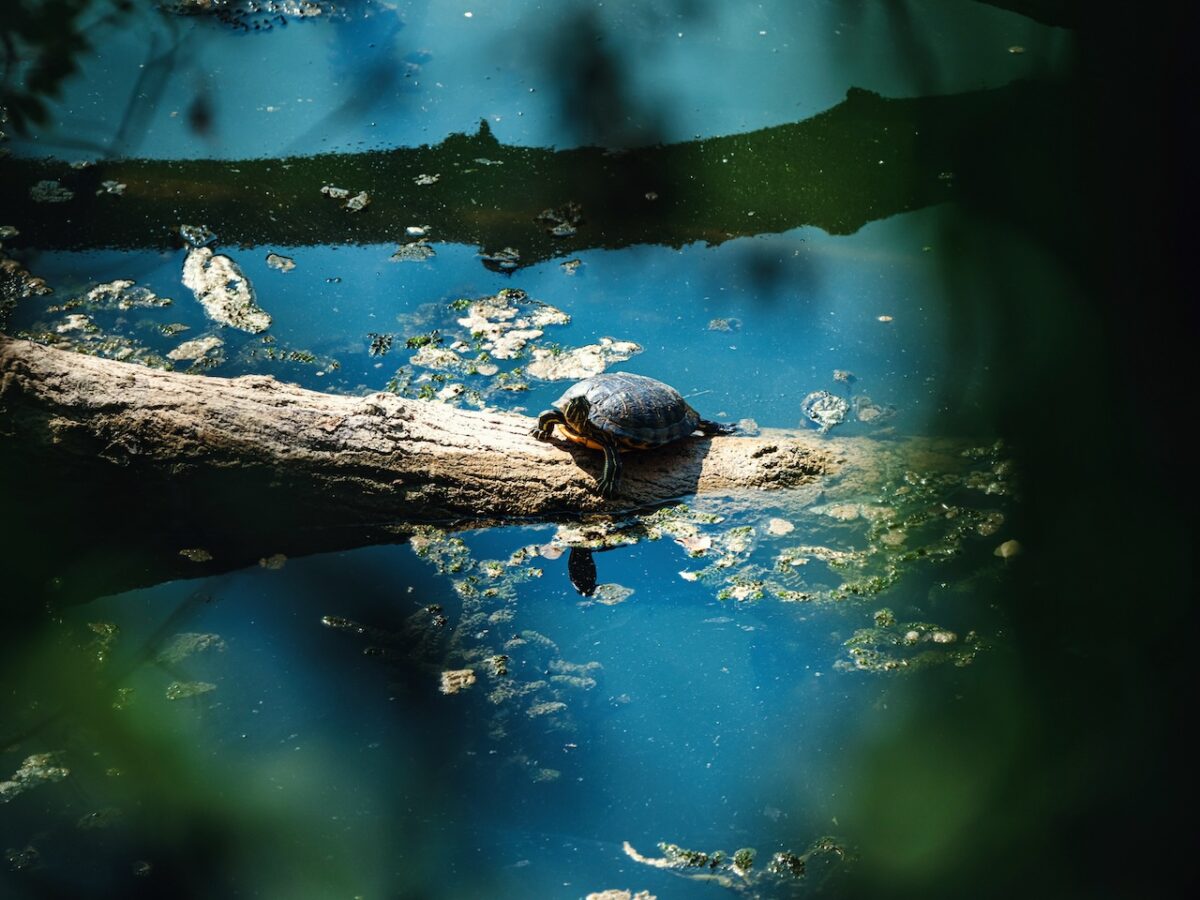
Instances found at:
x=928 y=671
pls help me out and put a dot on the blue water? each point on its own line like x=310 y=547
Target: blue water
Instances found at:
x=815 y=311
x=712 y=724
x=409 y=73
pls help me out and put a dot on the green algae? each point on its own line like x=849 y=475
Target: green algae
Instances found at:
x=737 y=872
x=379 y=344
x=893 y=647
x=35 y=770
x=100 y=648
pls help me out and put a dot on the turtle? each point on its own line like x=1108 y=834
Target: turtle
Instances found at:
x=616 y=411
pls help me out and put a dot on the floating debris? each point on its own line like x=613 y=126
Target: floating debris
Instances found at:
x=414 y=251
x=1007 y=550
x=115 y=188
x=562 y=221
x=747 y=427
x=843 y=376
x=1016 y=49
x=356 y=203
x=883 y=318
x=188 y=643
x=508 y=321
x=786 y=863
x=865 y=410
x=8 y=231
x=423 y=180
x=182 y=690
x=380 y=343
x=50 y=192
x=890 y=647
x=122 y=294
x=196 y=235
x=41 y=768
x=275 y=352
x=694 y=544
x=504 y=261
x=274 y=562
x=737 y=871
x=725 y=325
x=282 y=263
x=26 y=858
x=77 y=322
x=779 y=527
x=582 y=362
x=611 y=594
x=417 y=231
x=571 y=266
x=241 y=13
x=842 y=512
x=200 y=348
x=17 y=284
x=433 y=338
x=742 y=590
x=614 y=894
x=440 y=358
x=456 y=680
x=196 y=554
x=825 y=409
x=545 y=708
x=743 y=860
x=224 y=292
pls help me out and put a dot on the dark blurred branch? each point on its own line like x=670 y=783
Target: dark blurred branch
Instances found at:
x=863 y=160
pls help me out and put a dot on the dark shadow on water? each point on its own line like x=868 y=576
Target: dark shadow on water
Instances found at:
x=1066 y=311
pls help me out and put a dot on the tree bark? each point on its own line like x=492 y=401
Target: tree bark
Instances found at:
x=357 y=459
x=249 y=466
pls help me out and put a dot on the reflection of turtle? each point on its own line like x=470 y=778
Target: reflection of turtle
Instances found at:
x=581 y=569
x=617 y=411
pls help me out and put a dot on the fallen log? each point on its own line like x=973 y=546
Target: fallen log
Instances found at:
x=253 y=466
x=373 y=459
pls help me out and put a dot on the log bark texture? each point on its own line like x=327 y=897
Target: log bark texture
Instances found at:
x=342 y=460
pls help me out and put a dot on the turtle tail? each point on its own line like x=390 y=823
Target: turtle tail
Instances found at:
x=712 y=429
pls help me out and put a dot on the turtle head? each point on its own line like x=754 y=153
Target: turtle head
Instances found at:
x=576 y=413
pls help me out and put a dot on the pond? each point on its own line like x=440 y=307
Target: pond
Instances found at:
x=455 y=711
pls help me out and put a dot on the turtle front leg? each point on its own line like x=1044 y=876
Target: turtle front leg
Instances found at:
x=546 y=422
x=712 y=429
x=611 y=476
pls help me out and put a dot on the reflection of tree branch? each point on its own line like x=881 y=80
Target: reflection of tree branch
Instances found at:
x=1063 y=13
x=863 y=160
x=147 y=91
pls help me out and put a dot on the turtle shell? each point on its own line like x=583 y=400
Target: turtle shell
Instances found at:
x=639 y=412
